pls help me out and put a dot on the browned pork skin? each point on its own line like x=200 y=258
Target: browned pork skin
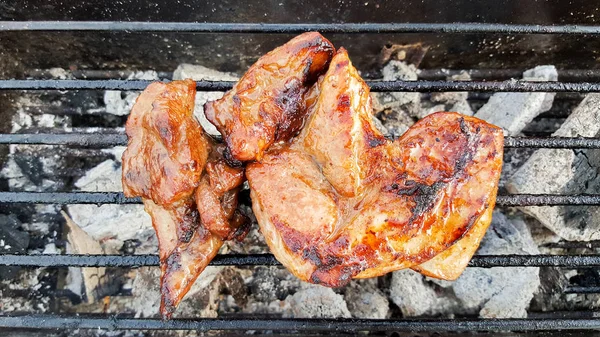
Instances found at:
x=343 y=202
x=171 y=164
x=268 y=102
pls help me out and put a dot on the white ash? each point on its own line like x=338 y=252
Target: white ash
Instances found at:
x=23 y=166
x=436 y=108
x=60 y=73
x=120 y=102
x=492 y=293
x=415 y=296
x=23 y=119
x=112 y=224
x=314 y=301
x=267 y=284
x=116 y=152
x=198 y=73
x=50 y=249
x=146 y=295
x=397 y=110
x=267 y=290
x=565 y=171
x=501 y=292
x=13 y=240
x=451 y=101
x=365 y=300
x=513 y=111
x=28 y=281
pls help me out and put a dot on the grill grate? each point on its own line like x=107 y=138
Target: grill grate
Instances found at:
x=28 y=321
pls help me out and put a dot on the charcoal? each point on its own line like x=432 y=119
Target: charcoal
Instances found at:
x=565 y=171
x=200 y=301
x=270 y=284
x=314 y=301
x=501 y=292
x=365 y=300
x=452 y=101
x=120 y=102
x=397 y=110
x=415 y=296
x=513 y=111
x=12 y=241
x=104 y=223
x=492 y=293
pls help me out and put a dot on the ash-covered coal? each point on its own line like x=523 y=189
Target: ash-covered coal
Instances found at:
x=397 y=110
x=13 y=240
x=491 y=293
x=512 y=111
x=565 y=171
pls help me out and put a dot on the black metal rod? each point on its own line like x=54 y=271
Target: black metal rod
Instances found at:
x=547 y=199
x=76 y=139
x=134 y=261
x=582 y=290
x=378 y=86
x=93 y=139
x=118 y=198
x=45 y=321
x=65 y=198
x=294 y=28
x=552 y=142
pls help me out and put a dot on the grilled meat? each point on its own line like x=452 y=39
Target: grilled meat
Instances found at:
x=268 y=102
x=343 y=202
x=172 y=164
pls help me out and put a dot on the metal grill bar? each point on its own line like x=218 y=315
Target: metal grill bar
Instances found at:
x=478 y=261
x=378 y=86
x=582 y=290
x=40 y=321
x=63 y=198
x=83 y=139
x=293 y=28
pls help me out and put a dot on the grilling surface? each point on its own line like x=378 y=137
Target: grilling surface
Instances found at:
x=510 y=200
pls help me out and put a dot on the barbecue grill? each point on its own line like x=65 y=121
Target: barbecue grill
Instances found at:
x=110 y=39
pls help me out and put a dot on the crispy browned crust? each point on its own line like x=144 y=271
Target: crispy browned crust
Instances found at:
x=173 y=166
x=342 y=202
x=268 y=103
x=167 y=149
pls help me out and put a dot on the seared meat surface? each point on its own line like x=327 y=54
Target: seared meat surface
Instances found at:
x=172 y=164
x=268 y=102
x=334 y=198
x=341 y=201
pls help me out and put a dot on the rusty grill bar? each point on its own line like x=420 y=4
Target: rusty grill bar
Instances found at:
x=36 y=321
